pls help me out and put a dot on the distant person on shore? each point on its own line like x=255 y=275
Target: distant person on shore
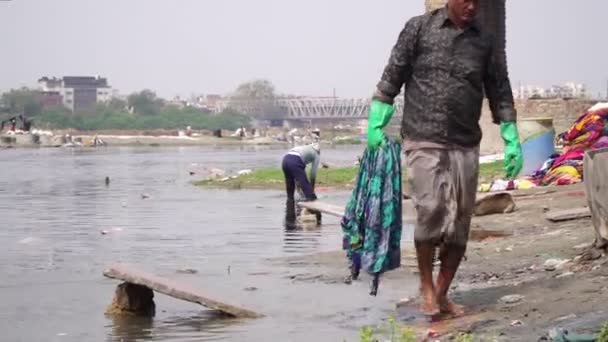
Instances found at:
x=13 y=122
x=447 y=62
x=26 y=123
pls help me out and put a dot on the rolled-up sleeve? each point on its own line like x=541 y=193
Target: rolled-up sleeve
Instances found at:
x=498 y=89
x=399 y=67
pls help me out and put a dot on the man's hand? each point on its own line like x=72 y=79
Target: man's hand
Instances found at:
x=380 y=114
x=514 y=159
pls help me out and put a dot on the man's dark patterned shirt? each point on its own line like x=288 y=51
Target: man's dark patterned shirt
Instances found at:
x=446 y=70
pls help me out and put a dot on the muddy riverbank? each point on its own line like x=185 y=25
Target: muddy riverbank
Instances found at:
x=549 y=287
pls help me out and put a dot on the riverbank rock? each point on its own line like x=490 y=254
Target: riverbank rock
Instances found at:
x=512 y=299
x=555 y=264
x=132 y=299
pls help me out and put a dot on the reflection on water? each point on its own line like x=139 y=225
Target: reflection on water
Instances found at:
x=290 y=215
x=205 y=325
x=131 y=329
x=62 y=225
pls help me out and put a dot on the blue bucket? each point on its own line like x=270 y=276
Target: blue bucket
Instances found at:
x=537 y=137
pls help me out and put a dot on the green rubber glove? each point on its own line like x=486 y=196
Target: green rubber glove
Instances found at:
x=514 y=158
x=380 y=114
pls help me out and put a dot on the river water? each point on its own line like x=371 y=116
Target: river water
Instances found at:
x=54 y=204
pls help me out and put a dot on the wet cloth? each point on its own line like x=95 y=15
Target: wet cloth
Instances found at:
x=372 y=219
x=444 y=186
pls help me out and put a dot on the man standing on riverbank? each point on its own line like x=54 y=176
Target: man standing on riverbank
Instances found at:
x=446 y=61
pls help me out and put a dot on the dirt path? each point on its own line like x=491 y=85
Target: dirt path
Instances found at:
x=536 y=267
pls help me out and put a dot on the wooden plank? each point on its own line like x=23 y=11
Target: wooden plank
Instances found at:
x=175 y=290
x=568 y=214
x=325 y=208
x=335 y=210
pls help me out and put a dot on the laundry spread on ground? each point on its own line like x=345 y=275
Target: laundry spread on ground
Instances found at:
x=589 y=132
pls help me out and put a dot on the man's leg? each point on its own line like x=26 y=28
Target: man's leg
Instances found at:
x=464 y=167
x=425 y=254
x=450 y=257
x=290 y=183
x=427 y=176
x=290 y=187
x=299 y=173
x=290 y=214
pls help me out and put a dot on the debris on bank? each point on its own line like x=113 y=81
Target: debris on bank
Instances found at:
x=220 y=175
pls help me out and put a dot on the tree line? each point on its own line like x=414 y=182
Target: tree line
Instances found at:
x=140 y=110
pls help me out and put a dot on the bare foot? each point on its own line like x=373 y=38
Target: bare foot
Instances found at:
x=448 y=307
x=429 y=306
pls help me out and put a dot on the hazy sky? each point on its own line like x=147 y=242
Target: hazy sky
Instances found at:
x=305 y=47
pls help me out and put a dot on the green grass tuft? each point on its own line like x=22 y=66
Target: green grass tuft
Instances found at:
x=339 y=177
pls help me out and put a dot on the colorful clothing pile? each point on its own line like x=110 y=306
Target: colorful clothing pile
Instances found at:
x=589 y=132
x=506 y=185
x=372 y=219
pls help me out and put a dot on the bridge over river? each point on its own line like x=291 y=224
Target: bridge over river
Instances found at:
x=310 y=108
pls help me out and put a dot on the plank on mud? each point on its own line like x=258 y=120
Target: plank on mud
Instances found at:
x=171 y=288
x=568 y=214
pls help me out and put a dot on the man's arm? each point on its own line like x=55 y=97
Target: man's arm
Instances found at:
x=498 y=90
x=313 y=170
x=399 y=67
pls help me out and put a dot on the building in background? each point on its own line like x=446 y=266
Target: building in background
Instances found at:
x=569 y=90
x=206 y=103
x=77 y=93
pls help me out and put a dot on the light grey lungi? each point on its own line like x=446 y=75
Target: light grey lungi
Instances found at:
x=444 y=187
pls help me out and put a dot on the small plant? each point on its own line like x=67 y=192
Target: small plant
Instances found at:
x=400 y=334
x=393 y=332
x=407 y=335
x=367 y=334
x=462 y=337
x=603 y=337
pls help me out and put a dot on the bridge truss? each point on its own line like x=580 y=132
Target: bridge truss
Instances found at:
x=312 y=108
